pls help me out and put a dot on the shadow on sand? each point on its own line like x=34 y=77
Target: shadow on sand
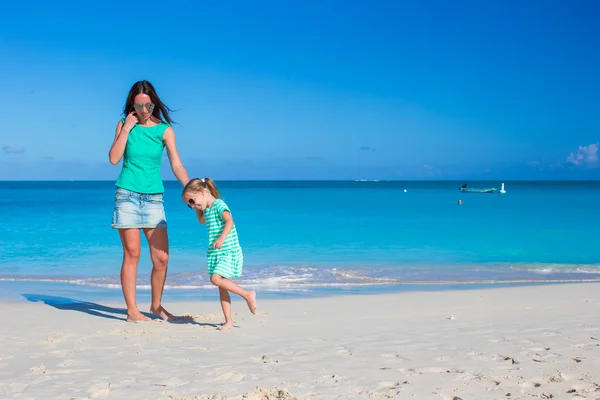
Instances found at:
x=97 y=310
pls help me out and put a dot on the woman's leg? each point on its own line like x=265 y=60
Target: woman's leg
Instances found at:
x=130 y=239
x=230 y=286
x=226 y=306
x=158 y=241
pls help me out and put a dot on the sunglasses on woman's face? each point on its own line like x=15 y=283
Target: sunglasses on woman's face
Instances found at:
x=140 y=107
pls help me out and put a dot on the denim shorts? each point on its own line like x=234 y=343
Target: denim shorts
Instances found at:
x=138 y=210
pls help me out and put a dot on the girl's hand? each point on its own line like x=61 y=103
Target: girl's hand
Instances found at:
x=130 y=121
x=218 y=243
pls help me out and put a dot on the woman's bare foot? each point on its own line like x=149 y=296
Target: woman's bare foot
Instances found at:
x=225 y=326
x=164 y=314
x=251 y=300
x=137 y=317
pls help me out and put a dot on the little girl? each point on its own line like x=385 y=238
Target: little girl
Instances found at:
x=225 y=258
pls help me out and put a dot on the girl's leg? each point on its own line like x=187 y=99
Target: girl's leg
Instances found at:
x=158 y=241
x=226 y=306
x=130 y=239
x=224 y=283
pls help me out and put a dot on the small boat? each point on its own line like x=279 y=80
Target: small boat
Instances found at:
x=465 y=189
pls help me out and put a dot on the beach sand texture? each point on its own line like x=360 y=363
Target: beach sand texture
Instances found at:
x=508 y=343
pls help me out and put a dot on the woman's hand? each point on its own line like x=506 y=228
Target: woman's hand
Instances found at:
x=130 y=121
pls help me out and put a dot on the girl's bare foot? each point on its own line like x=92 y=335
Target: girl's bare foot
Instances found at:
x=137 y=317
x=251 y=300
x=225 y=326
x=164 y=314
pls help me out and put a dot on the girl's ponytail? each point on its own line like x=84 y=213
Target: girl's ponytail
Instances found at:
x=212 y=188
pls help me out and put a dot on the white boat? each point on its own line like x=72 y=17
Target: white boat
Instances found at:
x=465 y=189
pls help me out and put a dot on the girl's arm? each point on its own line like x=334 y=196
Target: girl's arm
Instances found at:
x=228 y=224
x=176 y=165
x=226 y=229
x=200 y=216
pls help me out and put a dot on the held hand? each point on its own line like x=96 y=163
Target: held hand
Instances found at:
x=130 y=121
x=218 y=243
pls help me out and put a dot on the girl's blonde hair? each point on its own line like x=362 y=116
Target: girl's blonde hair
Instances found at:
x=197 y=185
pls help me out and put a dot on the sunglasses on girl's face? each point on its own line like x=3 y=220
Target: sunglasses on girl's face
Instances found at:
x=149 y=106
x=191 y=203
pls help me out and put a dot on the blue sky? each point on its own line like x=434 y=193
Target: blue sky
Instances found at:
x=308 y=90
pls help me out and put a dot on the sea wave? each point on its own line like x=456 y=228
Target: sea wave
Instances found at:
x=288 y=277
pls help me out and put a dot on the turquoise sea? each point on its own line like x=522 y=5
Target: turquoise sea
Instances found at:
x=311 y=238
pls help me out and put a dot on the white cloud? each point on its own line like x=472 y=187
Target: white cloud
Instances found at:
x=12 y=149
x=585 y=156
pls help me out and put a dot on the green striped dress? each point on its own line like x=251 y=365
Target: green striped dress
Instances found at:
x=228 y=260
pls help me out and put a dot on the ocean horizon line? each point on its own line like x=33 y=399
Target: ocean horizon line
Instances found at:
x=322 y=180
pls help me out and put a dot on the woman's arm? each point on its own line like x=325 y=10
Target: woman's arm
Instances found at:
x=122 y=133
x=176 y=165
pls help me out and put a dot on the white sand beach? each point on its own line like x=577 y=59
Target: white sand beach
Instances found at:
x=508 y=343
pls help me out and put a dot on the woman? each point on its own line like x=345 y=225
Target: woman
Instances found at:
x=139 y=141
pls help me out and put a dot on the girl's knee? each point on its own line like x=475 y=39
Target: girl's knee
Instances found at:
x=215 y=279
